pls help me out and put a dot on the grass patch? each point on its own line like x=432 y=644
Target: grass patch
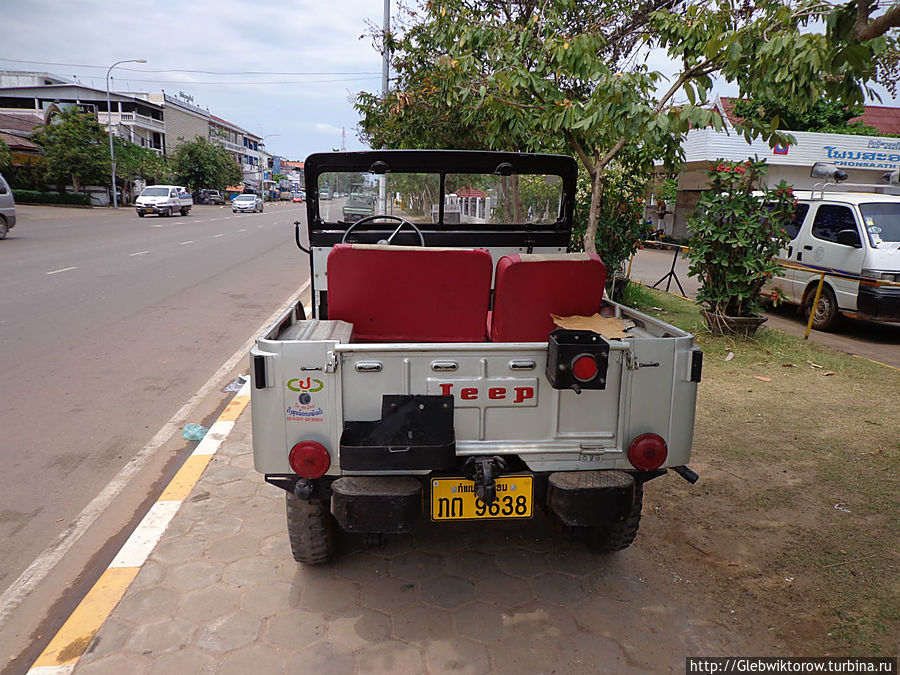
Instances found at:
x=799 y=449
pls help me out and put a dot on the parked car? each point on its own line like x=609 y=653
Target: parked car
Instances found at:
x=7 y=208
x=247 y=203
x=207 y=196
x=297 y=198
x=853 y=233
x=285 y=196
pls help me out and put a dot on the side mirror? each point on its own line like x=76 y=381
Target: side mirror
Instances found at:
x=849 y=238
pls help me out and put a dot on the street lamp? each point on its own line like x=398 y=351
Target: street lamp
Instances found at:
x=112 y=152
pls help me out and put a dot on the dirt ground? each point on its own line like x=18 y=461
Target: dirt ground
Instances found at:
x=792 y=531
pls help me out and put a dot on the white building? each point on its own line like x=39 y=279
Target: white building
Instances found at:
x=865 y=159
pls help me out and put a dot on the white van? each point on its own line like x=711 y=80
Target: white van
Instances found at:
x=853 y=234
x=164 y=200
x=7 y=208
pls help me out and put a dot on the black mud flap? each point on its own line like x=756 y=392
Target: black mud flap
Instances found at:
x=382 y=504
x=586 y=498
x=415 y=433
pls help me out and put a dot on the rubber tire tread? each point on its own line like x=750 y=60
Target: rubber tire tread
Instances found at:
x=618 y=535
x=311 y=528
x=830 y=320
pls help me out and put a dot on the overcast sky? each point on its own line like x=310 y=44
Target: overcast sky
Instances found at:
x=302 y=37
x=313 y=56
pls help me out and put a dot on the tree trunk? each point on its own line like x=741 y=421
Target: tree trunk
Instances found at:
x=590 y=234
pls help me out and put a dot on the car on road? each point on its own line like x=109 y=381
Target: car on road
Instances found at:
x=247 y=203
x=297 y=198
x=163 y=200
x=285 y=196
x=7 y=208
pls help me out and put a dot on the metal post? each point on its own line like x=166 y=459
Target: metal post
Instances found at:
x=812 y=310
x=386 y=56
x=112 y=152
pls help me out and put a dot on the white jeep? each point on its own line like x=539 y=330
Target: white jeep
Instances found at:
x=432 y=380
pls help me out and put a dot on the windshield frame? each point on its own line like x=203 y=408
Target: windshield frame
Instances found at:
x=525 y=235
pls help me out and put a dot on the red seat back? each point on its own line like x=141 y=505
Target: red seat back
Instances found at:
x=410 y=293
x=528 y=288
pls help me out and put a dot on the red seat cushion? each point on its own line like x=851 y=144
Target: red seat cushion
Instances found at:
x=528 y=288
x=410 y=293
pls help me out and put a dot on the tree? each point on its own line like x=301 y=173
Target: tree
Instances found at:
x=75 y=149
x=823 y=116
x=5 y=155
x=538 y=73
x=134 y=161
x=201 y=164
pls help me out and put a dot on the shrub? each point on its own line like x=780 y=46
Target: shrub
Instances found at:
x=736 y=234
x=35 y=197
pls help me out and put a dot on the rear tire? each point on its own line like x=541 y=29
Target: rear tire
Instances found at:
x=617 y=535
x=183 y=211
x=826 y=315
x=311 y=528
x=4 y=228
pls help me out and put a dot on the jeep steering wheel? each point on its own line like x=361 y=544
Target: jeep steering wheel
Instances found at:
x=369 y=219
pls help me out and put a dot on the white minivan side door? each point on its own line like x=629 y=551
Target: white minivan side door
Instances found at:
x=785 y=279
x=823 y=252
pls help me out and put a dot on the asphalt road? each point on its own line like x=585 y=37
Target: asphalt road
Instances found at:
x=872 y=340
x=109 y=323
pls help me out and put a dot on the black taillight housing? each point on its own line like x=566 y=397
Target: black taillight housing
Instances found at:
x=577 y=359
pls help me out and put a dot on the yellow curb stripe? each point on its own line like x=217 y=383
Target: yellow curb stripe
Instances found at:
x=864 y=358
x=76 y=634
x=234 y=409
x=186 y=478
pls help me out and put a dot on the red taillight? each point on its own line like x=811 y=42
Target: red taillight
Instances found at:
x=309 y=459
x=648 y=452
x=585 y=368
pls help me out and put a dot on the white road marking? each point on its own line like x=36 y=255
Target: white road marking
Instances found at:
x=186 y=242
x=244 y=230
x=38 y=570
x=139 y=253
x=64 y=269
x=140 y=544
x=218 y=235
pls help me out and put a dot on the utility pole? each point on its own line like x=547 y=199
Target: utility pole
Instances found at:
x=385 y=73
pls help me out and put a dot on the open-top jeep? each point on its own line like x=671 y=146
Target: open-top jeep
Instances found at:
x=432 y=381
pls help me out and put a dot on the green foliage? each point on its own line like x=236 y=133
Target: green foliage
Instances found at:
x=134 y=161
x=200 y=164
x=620 y=223
x=5 y=155
x=823 y=116
x=76 y=149
x=38 y=197
x=736 y=235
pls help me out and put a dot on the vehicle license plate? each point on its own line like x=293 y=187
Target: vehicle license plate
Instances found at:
x=455 y=499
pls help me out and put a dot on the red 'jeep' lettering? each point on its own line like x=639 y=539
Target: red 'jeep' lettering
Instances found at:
x=517 y=395
x=523 y=393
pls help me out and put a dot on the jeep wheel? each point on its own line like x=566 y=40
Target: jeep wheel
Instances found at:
x=311 y=528
x=618 y=535
x=826 y=311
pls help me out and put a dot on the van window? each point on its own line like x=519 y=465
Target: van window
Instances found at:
x=831 y=219
x=882 y=221
x=793 y=227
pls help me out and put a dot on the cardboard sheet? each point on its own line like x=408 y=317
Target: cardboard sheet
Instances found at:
x=610 y=327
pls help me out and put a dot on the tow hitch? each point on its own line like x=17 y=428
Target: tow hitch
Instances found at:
x=482 y=470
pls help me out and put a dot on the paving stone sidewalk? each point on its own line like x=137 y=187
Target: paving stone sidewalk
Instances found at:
x=221 y=594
